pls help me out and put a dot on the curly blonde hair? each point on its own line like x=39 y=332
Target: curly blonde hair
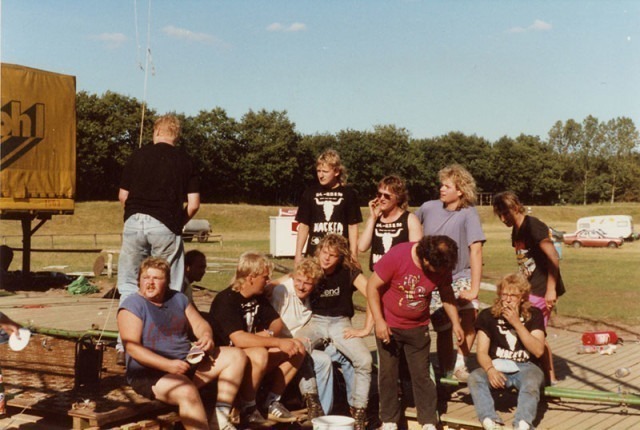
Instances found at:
x=463 y=181
x=340 y=245
x=519 y=283
x=309 y=268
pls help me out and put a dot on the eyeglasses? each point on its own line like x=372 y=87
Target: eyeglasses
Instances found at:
x=386 y=196
x=511 y=295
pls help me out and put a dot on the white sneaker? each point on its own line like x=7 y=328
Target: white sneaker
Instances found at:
x=389 y=426
x=429 y=427
x=489 y=424
x=522 y=425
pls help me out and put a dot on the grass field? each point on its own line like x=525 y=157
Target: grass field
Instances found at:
x=602 y=284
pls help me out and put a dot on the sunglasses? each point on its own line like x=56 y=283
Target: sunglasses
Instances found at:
x=386 y=196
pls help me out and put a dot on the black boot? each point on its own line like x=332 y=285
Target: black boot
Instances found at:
x=314 y=408
x=360 y=415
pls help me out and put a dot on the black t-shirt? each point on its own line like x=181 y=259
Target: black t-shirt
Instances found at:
x=158 y=178
x=328 y=210
x=531 y=258
x=387 y=235
x=231 y=312
x=333 y=295
x=504 y=339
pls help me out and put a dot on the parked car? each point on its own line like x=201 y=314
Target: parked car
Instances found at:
x=200 y=229
x=596 y=238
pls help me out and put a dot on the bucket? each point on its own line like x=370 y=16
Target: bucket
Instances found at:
x=333 y=422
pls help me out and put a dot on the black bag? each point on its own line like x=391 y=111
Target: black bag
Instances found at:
x=88 y=365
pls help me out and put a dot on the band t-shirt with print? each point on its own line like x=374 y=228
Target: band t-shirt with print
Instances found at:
x=231 y=312
x=386 y=235
x=333 y=295
x=328 y=210
x=531 y=258
x=407 y=292
x=505 y=342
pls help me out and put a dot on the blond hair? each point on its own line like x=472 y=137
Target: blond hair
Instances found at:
x=309 y=268
x=169 y=124
x=463 y=181
x=331 y=158
x=520 y=283
x=340 y=245
x=250 y=263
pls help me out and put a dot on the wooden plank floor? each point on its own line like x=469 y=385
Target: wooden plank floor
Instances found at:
x=588 y=371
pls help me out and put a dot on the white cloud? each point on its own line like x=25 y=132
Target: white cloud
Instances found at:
x=276 y=26
x=184 y=34
x=296 y=26
x=111 y=40
x=538 y=25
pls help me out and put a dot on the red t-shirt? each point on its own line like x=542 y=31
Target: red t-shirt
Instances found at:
x=407 y=294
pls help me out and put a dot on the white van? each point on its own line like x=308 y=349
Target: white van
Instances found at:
x=612 y=225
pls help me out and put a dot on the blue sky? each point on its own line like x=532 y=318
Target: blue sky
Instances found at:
x=490 y=68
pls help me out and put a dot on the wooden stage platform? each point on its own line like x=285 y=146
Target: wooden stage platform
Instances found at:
x=40 y=378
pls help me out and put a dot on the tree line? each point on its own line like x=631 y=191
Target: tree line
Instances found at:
x=262 y=159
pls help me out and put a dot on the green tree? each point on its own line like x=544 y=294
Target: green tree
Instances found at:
x=108 y=128
x=212 y=140
x=268 y=167
x=620 y=140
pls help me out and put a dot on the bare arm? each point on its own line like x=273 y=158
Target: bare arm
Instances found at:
x=451 y=309
x=361 y=284
x=301 y=240
x=553 y=270
x=193 y=204
x=496 y=378
x=243 y=339
x=364 y=242
x=353 y=240
x=532 y=340
x=123 y=195
x=383 y=332
x=415 y=228
x=200 y=327
x=475 y=261
x=8 y=325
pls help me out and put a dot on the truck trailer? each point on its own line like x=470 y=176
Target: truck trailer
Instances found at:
x=38 y=148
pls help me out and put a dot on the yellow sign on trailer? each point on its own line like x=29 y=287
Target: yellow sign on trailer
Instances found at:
x=38 y=143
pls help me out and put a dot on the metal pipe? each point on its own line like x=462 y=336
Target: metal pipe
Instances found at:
x=575 y=394
x=71 y=334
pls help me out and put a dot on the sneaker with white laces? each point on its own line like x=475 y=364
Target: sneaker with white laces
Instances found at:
x=389 y=426
x=279 y=413
x=489 y=424
x=429 y=427
x=252 y=418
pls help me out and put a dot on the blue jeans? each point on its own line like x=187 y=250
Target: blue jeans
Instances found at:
x=320 y=381
x=353 y=349
x=145 y=236
x=528 y=381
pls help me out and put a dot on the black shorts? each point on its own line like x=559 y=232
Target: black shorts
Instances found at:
x=143 y=382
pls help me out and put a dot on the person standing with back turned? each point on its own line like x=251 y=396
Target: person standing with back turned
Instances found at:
x=155 y=183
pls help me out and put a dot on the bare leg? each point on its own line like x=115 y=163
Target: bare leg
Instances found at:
x=283 y=369
x=254 y=372
x=467 y=320
x=227 y=365
x=180 y=390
